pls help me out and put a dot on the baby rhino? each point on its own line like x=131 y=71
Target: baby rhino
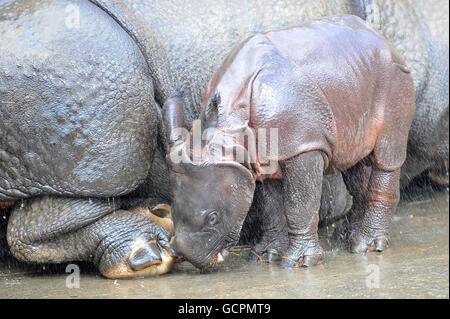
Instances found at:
x=293 y=105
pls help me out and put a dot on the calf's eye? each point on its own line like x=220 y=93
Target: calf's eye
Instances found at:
x=213 y=218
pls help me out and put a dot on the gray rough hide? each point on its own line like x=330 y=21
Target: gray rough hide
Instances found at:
x=79 y=109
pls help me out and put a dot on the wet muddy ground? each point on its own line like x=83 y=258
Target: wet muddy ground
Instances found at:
x=416 y=266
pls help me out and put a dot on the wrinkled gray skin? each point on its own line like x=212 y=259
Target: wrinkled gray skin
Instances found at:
x=422 y=39
x=80 y=116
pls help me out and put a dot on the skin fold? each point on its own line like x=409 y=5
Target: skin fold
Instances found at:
x=80 y=112
x=288 y=80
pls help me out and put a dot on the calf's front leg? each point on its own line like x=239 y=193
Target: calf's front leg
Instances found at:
x=302 y=187
x=268 y=222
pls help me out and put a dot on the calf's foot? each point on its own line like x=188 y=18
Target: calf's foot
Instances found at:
x=382 y=198
x=302 y=186
x=308 y=254
x=269 y=255
x=361 y=244
x=267 y=223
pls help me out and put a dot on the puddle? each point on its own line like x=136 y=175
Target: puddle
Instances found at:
x=416 y=266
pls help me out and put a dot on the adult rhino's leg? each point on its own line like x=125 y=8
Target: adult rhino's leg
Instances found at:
x=302 y=185
x=428 y=153
x=122 y=244
x=422 y=25
x=428 y=144
x=268 y=222
x=439 y=173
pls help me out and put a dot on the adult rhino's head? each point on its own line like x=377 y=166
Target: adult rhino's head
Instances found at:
x=211 y=194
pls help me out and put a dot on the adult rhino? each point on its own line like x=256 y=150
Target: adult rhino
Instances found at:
x=81 y=83
x=419 y=31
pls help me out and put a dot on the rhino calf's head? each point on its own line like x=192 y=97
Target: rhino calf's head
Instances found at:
x=211 y=194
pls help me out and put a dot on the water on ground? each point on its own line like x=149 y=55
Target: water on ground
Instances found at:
x=416 y=266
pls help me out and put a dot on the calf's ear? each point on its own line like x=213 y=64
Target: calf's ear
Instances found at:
x=209 y=116
x=173 y=118
x=211 y=113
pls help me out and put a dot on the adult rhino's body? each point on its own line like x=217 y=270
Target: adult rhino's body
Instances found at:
x=80 y=84
x=77 y=114
x=422 y=39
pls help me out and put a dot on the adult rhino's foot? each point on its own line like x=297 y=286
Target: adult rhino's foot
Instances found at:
x=134 y=246
x=160 y=214
x=146 y=258
x=122 y=244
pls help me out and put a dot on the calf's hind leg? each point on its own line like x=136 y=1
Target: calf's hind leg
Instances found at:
x=382 y=195
x=389 y=153
x=302 y=187
x=121 y=243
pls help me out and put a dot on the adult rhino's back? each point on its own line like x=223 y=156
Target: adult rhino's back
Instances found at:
x=77 y=115
x=186 y=41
